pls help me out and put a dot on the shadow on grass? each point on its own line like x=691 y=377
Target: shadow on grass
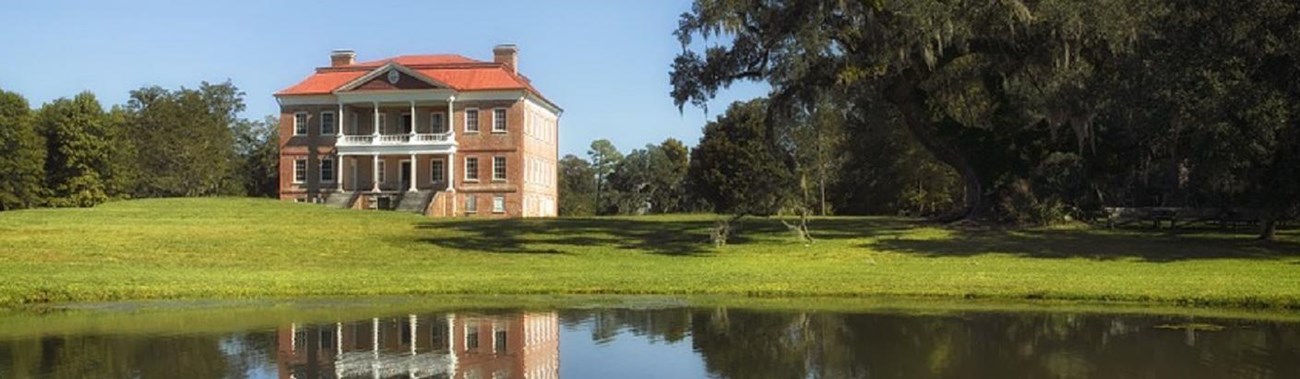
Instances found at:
x=667 y=236
x=1152 y=246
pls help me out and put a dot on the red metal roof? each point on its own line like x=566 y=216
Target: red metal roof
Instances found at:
x=461 y=73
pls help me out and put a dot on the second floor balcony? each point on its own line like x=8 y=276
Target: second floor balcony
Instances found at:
x=414 y=143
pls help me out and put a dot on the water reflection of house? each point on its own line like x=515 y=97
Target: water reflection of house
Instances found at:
x=423 y=346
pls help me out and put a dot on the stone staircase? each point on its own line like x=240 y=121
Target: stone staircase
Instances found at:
x=343 y=199
x=415 y=202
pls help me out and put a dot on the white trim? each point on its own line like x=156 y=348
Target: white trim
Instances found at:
x=381 y=170
x=289 y=100
x=407 y=171
x=334 y=123
x=307 y=127
x=383 y=70
x=471 y=203
x=304 y=171
x=505 y=120
x=495 y=198
x=505 y=163
x=381 y=126
x=443 y=172
x=478 y=121
x=475 y=170
x=320 y=168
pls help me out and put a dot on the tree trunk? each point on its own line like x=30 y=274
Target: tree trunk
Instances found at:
x=911 y=104
x=1268 y=228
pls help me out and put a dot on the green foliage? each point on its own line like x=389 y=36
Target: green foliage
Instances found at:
x=577 y=187
x=735 y=169
x=77 y=166
x=604 y=160
x=257 y=146
x=22 y=155
x=185 y=142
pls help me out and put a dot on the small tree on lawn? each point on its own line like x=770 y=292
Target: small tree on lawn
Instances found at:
x=735 y=169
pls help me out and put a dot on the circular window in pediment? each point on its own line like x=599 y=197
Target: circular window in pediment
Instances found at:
x=394 y=76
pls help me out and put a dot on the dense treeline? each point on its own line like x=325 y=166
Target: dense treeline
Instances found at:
x=1042 y=110
x=162 y=143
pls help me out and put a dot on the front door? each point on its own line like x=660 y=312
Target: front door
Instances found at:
x=405 y=174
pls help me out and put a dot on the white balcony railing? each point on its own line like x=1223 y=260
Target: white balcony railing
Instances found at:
x=394 y=139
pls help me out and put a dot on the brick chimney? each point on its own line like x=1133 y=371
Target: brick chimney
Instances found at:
x=339 y=58
x=508 y=55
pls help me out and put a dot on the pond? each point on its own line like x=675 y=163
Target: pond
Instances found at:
x=338 y=340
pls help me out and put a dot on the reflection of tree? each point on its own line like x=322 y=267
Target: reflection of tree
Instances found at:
x=748 y=344
x=113 y=356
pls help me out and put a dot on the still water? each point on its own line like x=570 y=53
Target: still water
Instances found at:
x=647 y=343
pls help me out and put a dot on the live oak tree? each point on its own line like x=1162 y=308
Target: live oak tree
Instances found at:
x=184 y=140
x=22 y=155
x=966 y=77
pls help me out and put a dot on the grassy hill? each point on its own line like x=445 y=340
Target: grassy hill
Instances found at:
x=246 y=248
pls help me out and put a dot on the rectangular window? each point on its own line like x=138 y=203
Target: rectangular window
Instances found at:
x=326 y=338
x=471 y=335
x=499 y=168
x=436 y=170
x=499 y=340
x=471 y=169
x=471 y=204
x=381 y=171
x=299 y=170
x=327 y=170
x=471 y=120
x=406 y=123
x=499 y=120
x=383 y=123
x=300 y=124
x=437 y=123
x=354 y=124
x=498 y=204
x=327 y=124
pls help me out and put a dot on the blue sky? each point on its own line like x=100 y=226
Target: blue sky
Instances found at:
x=605 y=62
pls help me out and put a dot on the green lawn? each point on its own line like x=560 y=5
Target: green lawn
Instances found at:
x=245 y=248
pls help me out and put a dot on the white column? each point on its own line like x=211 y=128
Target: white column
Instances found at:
x=338 y=164
x=374 y=336
x=414 y=335
x=374 y=172
x=413 y=124
x=412 y=177
x=338 y=339
x=451 y=119
x=339 y=120
x=375 y=124
x=451 y=171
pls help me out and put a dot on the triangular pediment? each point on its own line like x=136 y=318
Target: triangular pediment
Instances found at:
x=389 y=77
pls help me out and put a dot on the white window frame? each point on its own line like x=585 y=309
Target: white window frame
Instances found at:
x=383 y=123
x=322 y=171
x=502 y=169
x=437 y=168
x=498 y=203
x=333 y=124
x=504 y=119
x=296 y=125
x=296 y=171
x=442 y=118
x=471 y=203
x=383 y=170
x=468 y=111
x=474 y=172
